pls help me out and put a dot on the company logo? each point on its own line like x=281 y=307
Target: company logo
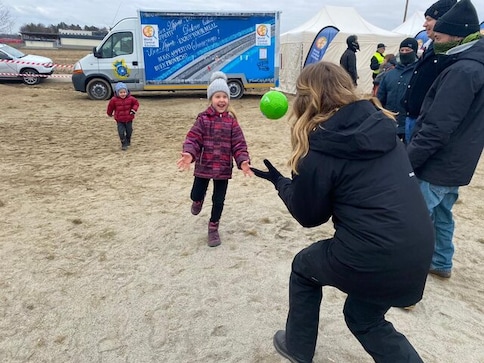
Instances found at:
x=121 y=70
x=148 y=31
x=262 y=30
x=321 y=42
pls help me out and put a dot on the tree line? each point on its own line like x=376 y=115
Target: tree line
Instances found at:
x=6 y=23
x=54 y=28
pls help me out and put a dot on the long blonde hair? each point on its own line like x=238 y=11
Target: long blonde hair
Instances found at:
x=322 y=89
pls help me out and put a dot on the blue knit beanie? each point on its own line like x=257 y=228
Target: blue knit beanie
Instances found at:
x=119 y=86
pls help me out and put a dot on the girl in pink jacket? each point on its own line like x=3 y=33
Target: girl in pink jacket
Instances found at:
x=213 y=142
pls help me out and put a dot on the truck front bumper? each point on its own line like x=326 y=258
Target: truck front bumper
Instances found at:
x=79 y=82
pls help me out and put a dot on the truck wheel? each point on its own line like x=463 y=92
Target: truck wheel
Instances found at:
x=99 y=89
x=30 y=76
x=236 y=88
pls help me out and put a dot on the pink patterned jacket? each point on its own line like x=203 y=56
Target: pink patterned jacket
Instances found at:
x=214 y=141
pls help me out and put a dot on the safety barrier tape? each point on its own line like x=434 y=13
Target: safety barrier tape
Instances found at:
x=37 y=64
x=36 y=75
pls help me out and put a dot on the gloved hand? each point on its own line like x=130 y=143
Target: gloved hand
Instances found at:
x=132 y=112
x=272 y=174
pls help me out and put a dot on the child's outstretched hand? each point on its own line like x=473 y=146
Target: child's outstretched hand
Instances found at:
x=184 y=162
x=245 y=166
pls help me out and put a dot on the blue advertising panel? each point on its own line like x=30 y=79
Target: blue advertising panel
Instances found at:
x=185 y=48
x=320 y=44
x=422 y=38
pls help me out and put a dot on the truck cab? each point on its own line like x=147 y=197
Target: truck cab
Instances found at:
x=115 y=59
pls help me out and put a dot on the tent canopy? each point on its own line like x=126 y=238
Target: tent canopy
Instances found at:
x=412 y=26
x=296 y=43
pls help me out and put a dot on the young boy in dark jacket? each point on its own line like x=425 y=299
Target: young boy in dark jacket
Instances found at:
x=123 y=107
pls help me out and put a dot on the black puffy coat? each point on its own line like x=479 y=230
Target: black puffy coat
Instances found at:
x=448 y=137
x=358 y=173
x=426 y=71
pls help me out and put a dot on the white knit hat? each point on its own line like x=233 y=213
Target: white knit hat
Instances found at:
x=218 y=83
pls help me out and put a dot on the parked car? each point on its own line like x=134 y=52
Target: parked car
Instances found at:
x=32 y=69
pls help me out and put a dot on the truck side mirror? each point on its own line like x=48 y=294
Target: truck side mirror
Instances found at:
x=96 y=53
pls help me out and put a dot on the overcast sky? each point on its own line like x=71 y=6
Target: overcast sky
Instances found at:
x=387 y=14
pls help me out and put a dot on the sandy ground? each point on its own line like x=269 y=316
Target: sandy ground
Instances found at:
x=101 y=260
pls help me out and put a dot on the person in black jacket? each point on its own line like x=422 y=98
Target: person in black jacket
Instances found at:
x=427 y=68
x=348 y=58
x=449 y=134
x=348 y=164
x=394 y=82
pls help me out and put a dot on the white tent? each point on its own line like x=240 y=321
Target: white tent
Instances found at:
x=296 y=44
x=412 y=26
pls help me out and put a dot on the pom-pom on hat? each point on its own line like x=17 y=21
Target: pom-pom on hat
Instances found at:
x=410 y=43
x=119 y=86
x=218 y=83
x=459 y=21
x=439 y=8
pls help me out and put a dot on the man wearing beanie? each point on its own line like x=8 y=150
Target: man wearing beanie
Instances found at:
x=377 y=59
x=394 y=82
x=449 y=136
x=426 y=70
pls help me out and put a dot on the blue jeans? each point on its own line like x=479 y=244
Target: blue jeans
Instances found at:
x=409 y=126
x=440 y=201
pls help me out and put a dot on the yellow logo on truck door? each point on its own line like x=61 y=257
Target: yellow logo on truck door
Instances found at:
x=120 y=68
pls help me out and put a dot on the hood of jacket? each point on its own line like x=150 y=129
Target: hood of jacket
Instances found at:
x=358 y=131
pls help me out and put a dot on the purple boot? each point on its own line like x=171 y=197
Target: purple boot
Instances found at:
x=197 y=207
x=213 y=237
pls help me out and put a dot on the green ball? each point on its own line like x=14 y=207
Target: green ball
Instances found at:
x=274 y=105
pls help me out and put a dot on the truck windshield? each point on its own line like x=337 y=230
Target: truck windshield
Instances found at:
x=117 y=44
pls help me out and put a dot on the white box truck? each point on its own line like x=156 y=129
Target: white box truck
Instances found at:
x=174 y=51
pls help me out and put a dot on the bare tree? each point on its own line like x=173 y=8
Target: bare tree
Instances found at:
x=6 y=21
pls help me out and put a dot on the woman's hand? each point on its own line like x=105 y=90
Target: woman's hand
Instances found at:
x=272 y=174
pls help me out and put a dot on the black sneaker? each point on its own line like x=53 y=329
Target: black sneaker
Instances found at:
x=124 y=148
x=279 y=341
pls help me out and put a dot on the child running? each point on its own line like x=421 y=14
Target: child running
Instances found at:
x=212 y=143
x=123 y=106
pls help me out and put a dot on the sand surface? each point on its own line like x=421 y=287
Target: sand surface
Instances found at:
x=101 y=260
